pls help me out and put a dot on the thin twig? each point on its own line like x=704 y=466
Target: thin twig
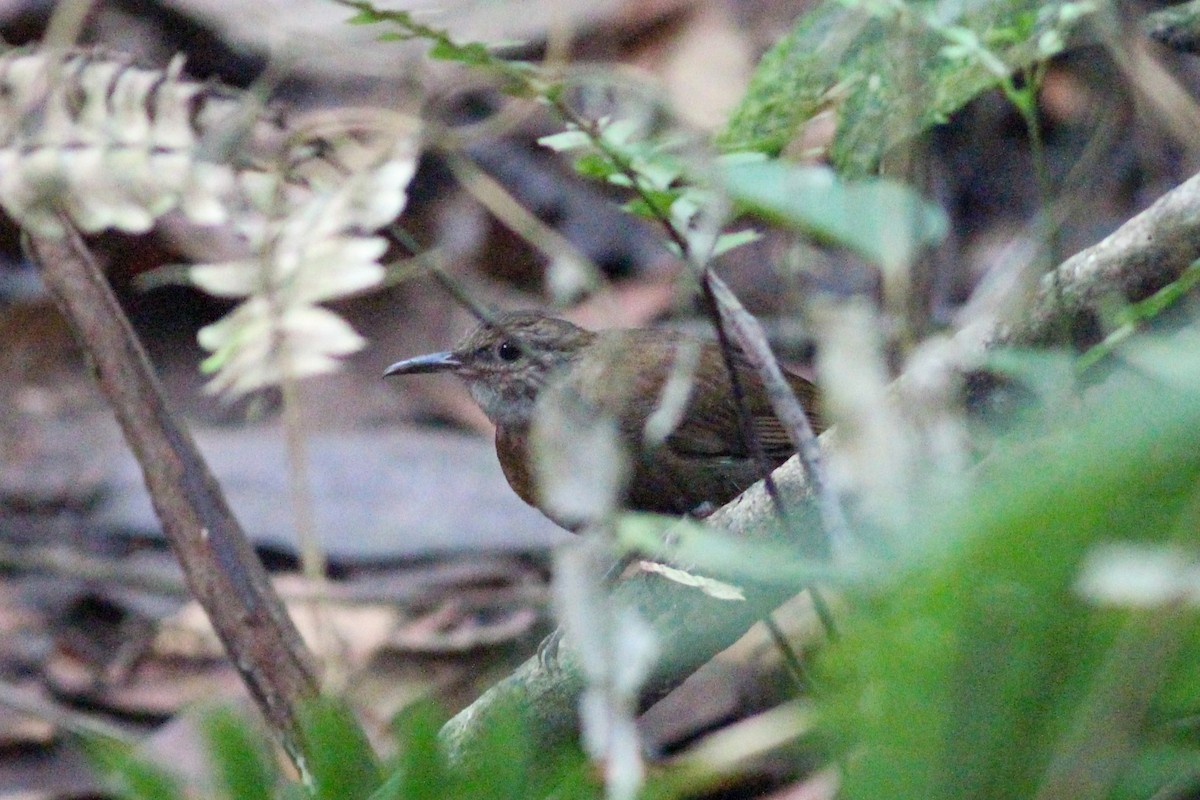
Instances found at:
x=313 y=561
x=753 y=340
x=791 y=661
x=516 y=217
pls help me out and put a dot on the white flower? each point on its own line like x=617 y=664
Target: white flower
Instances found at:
x=100 y=144
x=320 y=249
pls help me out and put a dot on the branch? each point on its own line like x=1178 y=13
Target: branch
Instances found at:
x=221 y=568
x=1146 y=253
x=1139 y=258
x=691 y=626
x=750 y=336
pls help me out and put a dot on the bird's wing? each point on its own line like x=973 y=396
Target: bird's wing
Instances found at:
x=711 y=425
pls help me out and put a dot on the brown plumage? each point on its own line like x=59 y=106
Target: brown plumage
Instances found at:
x=621 y=373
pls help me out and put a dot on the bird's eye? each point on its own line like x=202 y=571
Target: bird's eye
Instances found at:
x=508 y=351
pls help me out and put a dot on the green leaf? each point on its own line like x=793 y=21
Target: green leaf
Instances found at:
x=239 y=755
x=651 y=205
x=1161 y=765
x=509 y=765
x=564 y=141
x=340 y=759
x=730 y=241
x=128 y=775
x=980 y=671
x=504 y=763
x=889 y=76
x=596 y=165
x=417 y=771
x=882 y=220
x=473 y=54
x=364 y=17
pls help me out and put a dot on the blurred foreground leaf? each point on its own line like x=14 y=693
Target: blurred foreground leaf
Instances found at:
x=982 y=672
x=342 y=764
x=130 y=776
x=240 y=755
x=884 y=221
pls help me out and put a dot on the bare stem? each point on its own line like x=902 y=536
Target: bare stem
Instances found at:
x=312 y=554
x=753 y=341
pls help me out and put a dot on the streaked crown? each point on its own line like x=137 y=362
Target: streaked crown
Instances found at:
x=506 y=362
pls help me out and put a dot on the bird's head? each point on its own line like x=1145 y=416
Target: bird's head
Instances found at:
x=506 y=362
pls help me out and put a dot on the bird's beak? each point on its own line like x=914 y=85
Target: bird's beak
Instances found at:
x=434 y=362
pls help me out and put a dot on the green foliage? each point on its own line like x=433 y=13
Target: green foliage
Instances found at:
x=127 y=775
x=663 y=190
x=507 y=764
x=1131 y=318
x=884 y=221
x=239 y=755
x=983 y=670
x=341 y=762
x=891 y=70
x=521 y=78
x=417 y=772
x=614 y=151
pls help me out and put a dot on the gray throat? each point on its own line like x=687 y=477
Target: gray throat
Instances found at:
x=504 y=409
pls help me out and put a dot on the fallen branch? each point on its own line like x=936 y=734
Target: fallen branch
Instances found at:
x=1139 y=258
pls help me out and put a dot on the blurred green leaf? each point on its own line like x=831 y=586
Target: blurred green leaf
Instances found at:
x=882 y=220
x=417 y=772
x=981 y=673
x=363 y=17
x=657 y=205
x=505 y=763
x=1135 y=315
x=566 y=141
x=239 y=755
x=340 y=759
x=595 y=165
x=1160 y=765
x=129 y=775
x=731 y=241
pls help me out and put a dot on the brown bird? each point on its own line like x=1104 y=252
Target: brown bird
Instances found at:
x=703 y=459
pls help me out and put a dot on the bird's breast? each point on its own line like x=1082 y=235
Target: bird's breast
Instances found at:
x=512 y=450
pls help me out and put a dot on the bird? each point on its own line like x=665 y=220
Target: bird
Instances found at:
x=512 y=362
